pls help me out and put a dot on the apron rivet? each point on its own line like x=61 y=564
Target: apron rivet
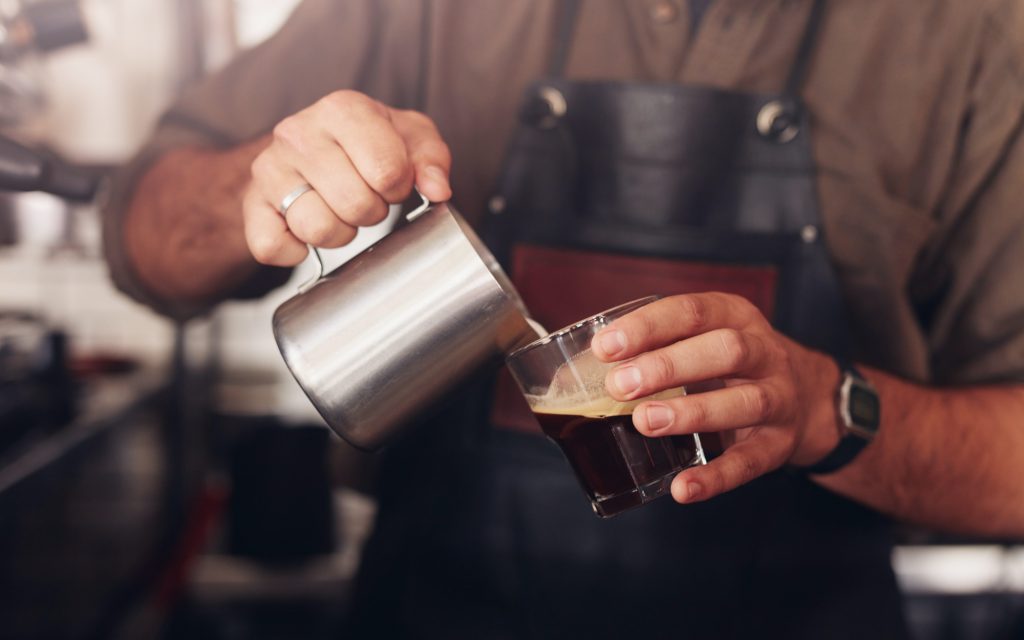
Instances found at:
x=809 y=234
x=496 y=205
x=556 y=106
x=776 y=122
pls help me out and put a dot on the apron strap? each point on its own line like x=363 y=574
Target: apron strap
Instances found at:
x=423 y=71
x=781 y=119
x=564 y=29
x=798 y=72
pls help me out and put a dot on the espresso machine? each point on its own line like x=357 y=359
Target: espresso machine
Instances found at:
x=36 y=388
x=29 y=30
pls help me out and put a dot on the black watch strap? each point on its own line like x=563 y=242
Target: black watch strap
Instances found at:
x=847 y=449
x=850 y=444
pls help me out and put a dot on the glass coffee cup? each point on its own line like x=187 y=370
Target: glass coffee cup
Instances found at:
x=563 y=382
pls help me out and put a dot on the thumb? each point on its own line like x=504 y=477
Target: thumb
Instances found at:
x=432 y=181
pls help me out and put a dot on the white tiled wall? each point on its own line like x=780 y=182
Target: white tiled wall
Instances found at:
x=75 y=294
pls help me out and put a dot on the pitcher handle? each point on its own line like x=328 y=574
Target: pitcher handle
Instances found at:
x=315 y=254
x=417 y=211
x=402 y=221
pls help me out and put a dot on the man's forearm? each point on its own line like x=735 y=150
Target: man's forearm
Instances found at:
x=183 y=230
x=946 y=458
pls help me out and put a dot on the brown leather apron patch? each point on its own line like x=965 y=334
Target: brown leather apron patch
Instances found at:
x=561 y=287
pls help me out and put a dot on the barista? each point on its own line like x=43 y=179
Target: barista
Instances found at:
x=770 y=170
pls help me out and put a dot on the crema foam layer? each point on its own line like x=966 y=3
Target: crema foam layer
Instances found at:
x=577 y=388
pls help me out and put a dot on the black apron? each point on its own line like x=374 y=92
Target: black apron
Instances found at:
x=611 y=191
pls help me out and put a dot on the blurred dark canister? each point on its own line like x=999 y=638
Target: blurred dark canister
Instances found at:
x=280 y=510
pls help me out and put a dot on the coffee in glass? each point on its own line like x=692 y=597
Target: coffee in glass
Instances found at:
x=564 y=385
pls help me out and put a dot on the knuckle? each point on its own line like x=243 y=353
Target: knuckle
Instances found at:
x=425 y=130
x=435 y=150
x=416 y=119
x=646 y=325
x=290 y=131
x=341 y=235
x=695 y=310
x=735 y=349
x=389 y=175
x=365 y=209
x=731 y=298
x=716 y=481
x=759 y=403
x=316 y=231
x=663 y=367
x=695 y=415
x=780 y=355
x=747 y=307
x=259 y=169
x=266 y=247
x=737 y=301
x=348 y=103
x=748 y=468
x=341 y=100
x=374 y=213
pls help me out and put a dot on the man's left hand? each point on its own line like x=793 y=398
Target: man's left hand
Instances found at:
x=774 y=403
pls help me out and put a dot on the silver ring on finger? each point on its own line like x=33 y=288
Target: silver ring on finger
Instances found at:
x=292 y=196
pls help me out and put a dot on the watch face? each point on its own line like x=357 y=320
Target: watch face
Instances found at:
x=865 y=410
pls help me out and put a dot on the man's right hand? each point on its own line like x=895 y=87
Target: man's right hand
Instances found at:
x=358 y=155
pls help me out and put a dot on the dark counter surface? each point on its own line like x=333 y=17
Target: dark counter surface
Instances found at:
x=104 y=403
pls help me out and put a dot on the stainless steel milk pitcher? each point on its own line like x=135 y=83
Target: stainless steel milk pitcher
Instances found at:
x=379 y=339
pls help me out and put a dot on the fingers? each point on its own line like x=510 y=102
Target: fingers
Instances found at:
x=267 y=234
x=363 y=129
x=313 y=218
x=744 y=405
x=357 y=155
x=428 y=154
x=746 y=460
x=665 y=321
x=719 y=353
x=347 y=149
x=345 y=196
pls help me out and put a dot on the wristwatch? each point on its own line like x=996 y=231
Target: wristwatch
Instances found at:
x=858 y=412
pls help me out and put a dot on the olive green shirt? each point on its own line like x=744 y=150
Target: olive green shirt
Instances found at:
x=916 y=108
